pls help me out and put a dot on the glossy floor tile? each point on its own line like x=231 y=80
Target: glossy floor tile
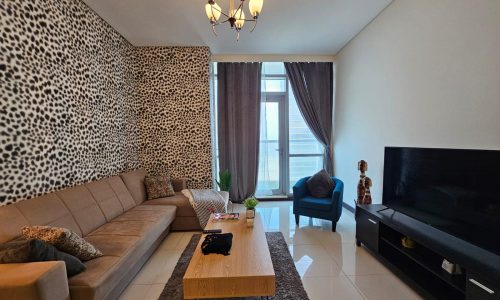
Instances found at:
x=381 y=287
x=329 y=263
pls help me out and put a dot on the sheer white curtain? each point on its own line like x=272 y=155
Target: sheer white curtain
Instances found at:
x=213 y=123
x=267 y=152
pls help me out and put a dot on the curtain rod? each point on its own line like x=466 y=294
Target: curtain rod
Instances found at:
x=272 y=58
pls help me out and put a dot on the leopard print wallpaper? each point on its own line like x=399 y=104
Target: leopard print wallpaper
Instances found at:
x=78 y=102
x=173 y=91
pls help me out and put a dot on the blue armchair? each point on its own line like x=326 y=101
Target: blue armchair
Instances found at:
x=322 y=208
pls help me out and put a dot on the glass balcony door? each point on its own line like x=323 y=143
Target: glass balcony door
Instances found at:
x=288 y=149
x=272 y=163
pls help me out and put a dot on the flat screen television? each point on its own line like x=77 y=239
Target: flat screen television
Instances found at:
x=454 y=190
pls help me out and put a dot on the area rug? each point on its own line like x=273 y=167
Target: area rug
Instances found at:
x=288 y=283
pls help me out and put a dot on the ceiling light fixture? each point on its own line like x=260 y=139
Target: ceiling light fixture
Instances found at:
x=236 y=16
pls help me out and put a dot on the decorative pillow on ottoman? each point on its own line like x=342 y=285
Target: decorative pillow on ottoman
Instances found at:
x=320 y=185
x=158 y=187
x=63 y=239
x=23 y=251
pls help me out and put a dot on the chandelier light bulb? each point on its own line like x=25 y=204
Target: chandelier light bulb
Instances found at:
x=255 y=7
x=239 y=15
x=213 y=12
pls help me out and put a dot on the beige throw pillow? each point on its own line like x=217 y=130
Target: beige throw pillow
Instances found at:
x=158 y=187
x=63 y=239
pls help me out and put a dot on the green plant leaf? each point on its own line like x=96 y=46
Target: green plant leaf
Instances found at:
x=224 y=181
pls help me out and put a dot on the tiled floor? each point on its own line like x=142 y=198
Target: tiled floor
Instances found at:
x=330 y=264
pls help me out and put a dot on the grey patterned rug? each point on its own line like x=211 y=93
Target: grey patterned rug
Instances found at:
x=288 y=283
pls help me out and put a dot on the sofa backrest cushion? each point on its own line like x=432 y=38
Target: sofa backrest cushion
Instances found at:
x=134 y=181
x=45 y=210
x=11 y=222
x=83 y=207
x=49 y=210
x=106 y=198
x=121 y=192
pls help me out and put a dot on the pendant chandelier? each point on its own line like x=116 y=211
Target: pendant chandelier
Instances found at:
x=236 y=16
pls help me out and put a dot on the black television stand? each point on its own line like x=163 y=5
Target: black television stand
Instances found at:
x=383 y=209
x=380 y=230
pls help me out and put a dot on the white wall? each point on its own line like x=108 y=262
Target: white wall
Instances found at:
x=424 y=73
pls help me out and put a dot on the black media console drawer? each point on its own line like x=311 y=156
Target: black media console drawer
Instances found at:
x=478 y=288
x=367 y=227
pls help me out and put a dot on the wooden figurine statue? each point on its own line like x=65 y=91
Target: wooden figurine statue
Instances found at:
x=364 y=184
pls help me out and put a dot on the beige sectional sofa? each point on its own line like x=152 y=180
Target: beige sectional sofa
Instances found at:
x=185 y=216
x=110 y=213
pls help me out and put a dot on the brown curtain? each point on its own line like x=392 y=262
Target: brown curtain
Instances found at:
x=312 y=85
x=238 y=109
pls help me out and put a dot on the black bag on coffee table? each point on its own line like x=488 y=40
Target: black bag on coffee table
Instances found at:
x=219 y=243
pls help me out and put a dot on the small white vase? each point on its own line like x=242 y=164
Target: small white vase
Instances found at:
x=250 y=213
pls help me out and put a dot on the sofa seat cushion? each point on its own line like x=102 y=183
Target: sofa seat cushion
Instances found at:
x=143 y=215
x=101 y=275
x=138 y=221
x=123 y=241
x=113 y=245
x=316 y=203
x=184 y=208
x=134 y=228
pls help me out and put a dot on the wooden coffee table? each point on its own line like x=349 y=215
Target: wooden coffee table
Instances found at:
x=247 y=271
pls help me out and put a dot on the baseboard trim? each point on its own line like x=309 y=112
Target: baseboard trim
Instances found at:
x=348 y=207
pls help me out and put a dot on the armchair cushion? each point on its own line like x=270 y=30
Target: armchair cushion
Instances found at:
x=321 y=204
x=320 y=185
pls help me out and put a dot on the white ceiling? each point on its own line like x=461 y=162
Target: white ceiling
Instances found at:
x=286 y=27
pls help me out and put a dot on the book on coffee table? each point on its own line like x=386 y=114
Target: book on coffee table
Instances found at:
x=226 y=216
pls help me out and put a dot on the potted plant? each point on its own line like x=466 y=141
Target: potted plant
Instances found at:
x=224 y=181
x=250 y=204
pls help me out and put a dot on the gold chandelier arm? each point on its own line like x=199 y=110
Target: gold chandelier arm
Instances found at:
x=240 y=9
x=222 y=13
x=254 y=25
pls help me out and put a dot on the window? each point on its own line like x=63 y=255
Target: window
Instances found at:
x=288 y=148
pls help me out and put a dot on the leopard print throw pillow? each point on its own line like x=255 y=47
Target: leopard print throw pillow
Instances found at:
x=158 y=187
x=63 y=239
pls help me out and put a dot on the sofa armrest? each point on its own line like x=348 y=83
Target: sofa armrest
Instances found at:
x=337 y=198
x=36 y=280
x=179 y=184
x=299 y=192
